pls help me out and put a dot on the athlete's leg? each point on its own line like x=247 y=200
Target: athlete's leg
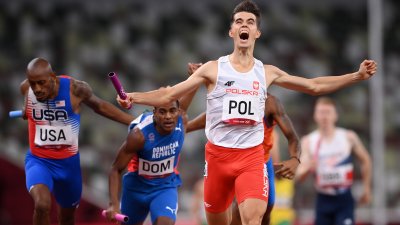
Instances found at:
x=67 y=188
x=164 y=206
x=252 y=189
x=219 y=183
x=66 y=216
x=42 y=203
x=236 y=220
x=345 y=211
x=271 y=195
x=134 y=204
x=222 y=218
x=39 y=184
x=325 y=210
x=252 y=211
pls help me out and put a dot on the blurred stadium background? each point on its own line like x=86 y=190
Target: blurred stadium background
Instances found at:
x=148 y=43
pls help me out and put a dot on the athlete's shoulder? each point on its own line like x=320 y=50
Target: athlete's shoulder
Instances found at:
x=310 y=135
x=210 y=64
x=24 y=87
x=146 y=121
x=350 y=134
x=79 y=88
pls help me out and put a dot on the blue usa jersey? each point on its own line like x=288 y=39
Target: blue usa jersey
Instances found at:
x=156 y=164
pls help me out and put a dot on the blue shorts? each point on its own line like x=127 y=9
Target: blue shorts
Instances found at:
x=335 y=209
x=62 y=177
x=137 y=204
x=271 y=180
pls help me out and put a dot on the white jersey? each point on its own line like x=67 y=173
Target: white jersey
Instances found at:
x=334 y=171
x=235 y=108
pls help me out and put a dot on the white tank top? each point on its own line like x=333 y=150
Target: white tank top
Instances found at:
x=235 y=108
x=334 y=171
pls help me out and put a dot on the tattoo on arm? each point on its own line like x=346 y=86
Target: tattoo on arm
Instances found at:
x=81 y=89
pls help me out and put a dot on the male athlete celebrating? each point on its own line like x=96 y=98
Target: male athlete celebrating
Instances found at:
x=237 y=89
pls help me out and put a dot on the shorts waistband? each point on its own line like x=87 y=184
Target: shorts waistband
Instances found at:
x=213 y=147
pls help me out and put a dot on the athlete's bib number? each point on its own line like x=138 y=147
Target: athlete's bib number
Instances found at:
x=240 y=110
x=338 y=176
x=51 y=135
x=154 y=168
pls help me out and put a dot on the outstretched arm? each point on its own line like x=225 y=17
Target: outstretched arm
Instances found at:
x=365 y=165
x=169 y=94
x=197 y=123
x=320 y=85
x=275 y=109
x=187 y=98
x=83 y=92
x=133 y=143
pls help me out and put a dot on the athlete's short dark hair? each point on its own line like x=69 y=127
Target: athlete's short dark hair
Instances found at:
x=250 y=7
x=176 y=102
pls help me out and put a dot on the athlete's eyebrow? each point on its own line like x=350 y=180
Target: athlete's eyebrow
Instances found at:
x=251 y=20
x=239 y=20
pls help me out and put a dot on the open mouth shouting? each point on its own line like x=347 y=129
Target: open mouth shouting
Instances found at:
x=244 y=35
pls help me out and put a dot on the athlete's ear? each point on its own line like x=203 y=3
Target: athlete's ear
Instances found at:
x=230 y=33
x=258 y=34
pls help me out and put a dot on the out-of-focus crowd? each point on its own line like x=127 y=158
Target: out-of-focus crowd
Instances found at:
x=149 y=43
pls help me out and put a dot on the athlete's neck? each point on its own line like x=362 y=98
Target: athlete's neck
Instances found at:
x=327 y=132
x=55 y=88
x=241 y=61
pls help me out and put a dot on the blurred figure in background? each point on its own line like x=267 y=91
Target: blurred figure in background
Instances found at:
x=327 y=153
x=52 y=164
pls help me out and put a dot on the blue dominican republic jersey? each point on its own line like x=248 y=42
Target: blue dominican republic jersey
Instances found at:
x=155 y=166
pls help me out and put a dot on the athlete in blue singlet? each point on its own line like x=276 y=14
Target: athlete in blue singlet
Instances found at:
x=52 y=106
x=151 y=154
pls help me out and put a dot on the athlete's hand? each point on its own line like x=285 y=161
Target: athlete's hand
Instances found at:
x=367 y=69
x=192 y=67
x=110 y=214
x=286 y=169
x=125 y=103
x=366 y=196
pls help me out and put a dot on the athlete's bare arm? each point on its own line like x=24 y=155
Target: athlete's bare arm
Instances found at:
x=134 y=142
x=187 y=99
x=362 y=155
x=24 y=87
x=197 y=123
x=319 y=85
x=206 y=75
x=274 y=109
x=82 y=92
x=307 y=163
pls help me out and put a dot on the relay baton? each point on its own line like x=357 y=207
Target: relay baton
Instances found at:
x=15 y=114
x=118 y=86
x=118 y=217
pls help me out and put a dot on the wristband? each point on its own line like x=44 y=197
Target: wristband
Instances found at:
x=295 y=157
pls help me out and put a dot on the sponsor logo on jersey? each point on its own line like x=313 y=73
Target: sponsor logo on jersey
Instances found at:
x=241 y=91
x=229 y=83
